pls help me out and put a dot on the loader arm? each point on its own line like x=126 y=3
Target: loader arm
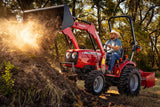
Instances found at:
x=90 y=28
x=71 y=36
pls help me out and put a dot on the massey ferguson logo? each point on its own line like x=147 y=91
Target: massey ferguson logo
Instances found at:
x=91 y=53
x=82 y=25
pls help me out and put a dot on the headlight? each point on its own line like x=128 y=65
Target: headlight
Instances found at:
x=68 y=54
x=74 y=54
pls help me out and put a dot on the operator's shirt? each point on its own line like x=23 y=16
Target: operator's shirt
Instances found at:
x=116 y=42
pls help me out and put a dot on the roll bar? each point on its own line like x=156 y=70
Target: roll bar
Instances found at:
x=132 y=30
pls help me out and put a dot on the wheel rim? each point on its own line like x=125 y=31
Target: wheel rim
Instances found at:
x=134 y=82
x=98 y=84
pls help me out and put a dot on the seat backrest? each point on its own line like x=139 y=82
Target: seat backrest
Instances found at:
x=122 y=53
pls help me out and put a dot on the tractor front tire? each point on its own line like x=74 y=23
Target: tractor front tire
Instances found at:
x=95 y=82
x=130 y=81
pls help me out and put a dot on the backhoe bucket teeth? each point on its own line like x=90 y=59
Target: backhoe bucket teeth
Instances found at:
x=60 y=14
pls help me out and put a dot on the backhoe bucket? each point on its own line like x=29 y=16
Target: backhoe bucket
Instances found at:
x=60 y=16
x=148 y=79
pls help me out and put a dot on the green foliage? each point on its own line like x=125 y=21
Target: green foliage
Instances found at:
x=61 y=45
x=6 y=80
x=143 y=62
x=157 y=74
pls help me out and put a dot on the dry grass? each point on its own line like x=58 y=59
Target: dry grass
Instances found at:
x=80 y=84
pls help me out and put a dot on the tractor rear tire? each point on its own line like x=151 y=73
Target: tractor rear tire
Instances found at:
x=130 y=81
x=95 y=82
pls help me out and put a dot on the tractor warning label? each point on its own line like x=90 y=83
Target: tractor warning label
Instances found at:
x=103 y=61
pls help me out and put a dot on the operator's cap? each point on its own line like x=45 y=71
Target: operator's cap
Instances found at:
x=115 y=32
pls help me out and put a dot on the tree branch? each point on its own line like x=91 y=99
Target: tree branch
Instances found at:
x=136 y=8
x=119 y=2
x=154 y=31
x=152 y=14
x=148 y=13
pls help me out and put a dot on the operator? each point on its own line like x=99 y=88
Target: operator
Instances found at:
x=113 y=46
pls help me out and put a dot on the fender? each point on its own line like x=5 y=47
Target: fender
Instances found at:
x=122 y=65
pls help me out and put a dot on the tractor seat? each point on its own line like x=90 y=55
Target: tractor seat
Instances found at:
x=122 y=53
x=121 y=56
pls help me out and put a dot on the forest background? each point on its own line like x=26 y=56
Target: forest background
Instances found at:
x=145 y=15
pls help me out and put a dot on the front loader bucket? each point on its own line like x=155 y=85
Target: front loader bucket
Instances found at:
x=60 y=15
x=148 y=79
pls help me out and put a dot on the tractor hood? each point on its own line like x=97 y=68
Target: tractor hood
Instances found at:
x=60 y=13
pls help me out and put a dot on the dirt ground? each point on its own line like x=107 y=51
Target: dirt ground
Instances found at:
x=147 y=98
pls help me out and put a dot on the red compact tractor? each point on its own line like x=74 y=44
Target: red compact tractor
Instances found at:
x=90 y=64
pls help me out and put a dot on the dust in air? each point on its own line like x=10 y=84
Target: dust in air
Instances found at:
x=23 y=36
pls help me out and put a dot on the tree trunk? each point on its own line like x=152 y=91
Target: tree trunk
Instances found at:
x=158 y=56
x=56 y=49
x=99 y=18
x=156 y=50
x=73 y=8
x=3 y=10
x=152 y=53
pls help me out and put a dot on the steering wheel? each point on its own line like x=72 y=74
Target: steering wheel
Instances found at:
x=107 y=49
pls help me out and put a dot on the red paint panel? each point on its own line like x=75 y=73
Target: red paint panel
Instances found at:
x=86 y=57
x=148 y=79
x=69 y=33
